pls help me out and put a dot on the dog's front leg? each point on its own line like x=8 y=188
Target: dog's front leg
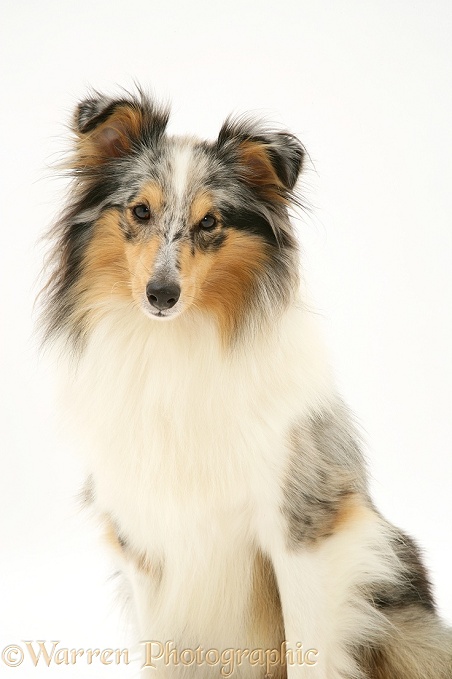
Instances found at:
x=301 y=584
x=153 y=638
x=325 y=589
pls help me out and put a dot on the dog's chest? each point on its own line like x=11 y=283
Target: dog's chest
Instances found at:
x=187 y=484
x=183 y=443
x=179 y=443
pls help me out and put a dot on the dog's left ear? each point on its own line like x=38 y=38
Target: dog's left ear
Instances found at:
x=111 y=128
x=267 y=159
x=286 y=154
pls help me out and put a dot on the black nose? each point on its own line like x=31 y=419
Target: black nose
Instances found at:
x=162 y=295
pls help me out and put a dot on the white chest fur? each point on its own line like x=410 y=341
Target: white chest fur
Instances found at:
x=170 y=420
x=187 y=444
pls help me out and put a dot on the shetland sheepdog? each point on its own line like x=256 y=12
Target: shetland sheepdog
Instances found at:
x=221 y=459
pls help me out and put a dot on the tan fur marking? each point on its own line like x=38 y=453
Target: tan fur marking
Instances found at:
x=105 y=273
x=419 y=646
x=113 y=267
x=200 y=207
x=260 y=172
x=111 y=537
x=374 y=663
x=145 y=565
x=141 y=561
x=153 y=194
x=230 y=280
x=110 y=139
x=352 y=509
x=194 y=268
x=141 y=258
x=221 y=282
x=266 y=621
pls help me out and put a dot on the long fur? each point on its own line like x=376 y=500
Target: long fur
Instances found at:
x=221 y=459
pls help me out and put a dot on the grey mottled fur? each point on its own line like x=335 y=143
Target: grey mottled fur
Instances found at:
x=326 y=465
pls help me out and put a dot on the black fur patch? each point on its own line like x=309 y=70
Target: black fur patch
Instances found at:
x=122 y=541
x=62 y=304
x=88 y=119
x=415 y=587
x=177 y=236
x=245 y=220
x=102 y=186
x=209 y=242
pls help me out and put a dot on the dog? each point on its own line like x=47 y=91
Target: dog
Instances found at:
x=223 y=463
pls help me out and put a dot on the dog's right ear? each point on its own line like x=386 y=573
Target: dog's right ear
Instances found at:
x=111 y=128
x=87 y=113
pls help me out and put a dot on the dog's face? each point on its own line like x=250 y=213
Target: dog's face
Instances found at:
x=175 y=224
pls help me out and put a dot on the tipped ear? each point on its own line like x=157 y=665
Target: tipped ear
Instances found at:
x=90 y=112
x=112 y=128
x=286 y=154
x=268 y=159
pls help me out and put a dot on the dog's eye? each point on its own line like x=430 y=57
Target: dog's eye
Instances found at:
x=142 y=212
x=207 y=222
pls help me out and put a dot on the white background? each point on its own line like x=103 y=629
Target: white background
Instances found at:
x=367 y=87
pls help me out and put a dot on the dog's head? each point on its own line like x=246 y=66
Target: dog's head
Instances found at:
x=174 y=224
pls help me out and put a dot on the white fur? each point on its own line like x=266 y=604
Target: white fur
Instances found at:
x=187 y=446
x=182 y=157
